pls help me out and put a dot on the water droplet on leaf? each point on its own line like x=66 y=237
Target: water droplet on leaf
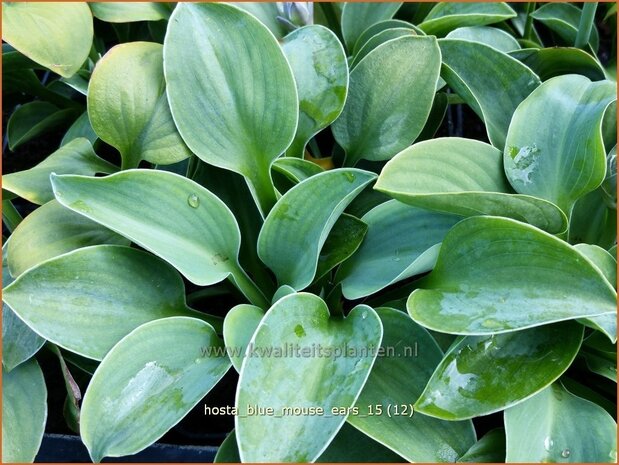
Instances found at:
x=193 y=200
x=349 y=176
x=565 y=453
x=548 y=443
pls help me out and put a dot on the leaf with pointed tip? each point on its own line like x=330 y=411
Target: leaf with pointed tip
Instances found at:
x=223 y=64
x=349 y=446
x=297 y=227
x=542 y=271
x=466 y=385
x=33 y=119
x=555 y=61
x=554 y=148
x=172 y=216
x=76 y=157
x=280 y=382
x=380 y=26
x=147 y=383
x=390 y=253
x=239 y=327
x=344 y=239
x=564 y=20
x=491 y=36
x=80 y=128
x=491 y=82
x=464 y=177
x=389 y=99
x=357 y=17
x=542 y=429
x=379 y=39
x=24 y=412
x=445 y=17
x=126 y=12
x=489 y=449
x=296 y=169
x=320 y=70
x=398 y=378
x=19 y=342
x=55 y=35
x=88 y=299
x=128 y=108
x=53 y=230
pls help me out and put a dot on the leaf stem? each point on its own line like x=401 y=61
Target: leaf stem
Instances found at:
x=10 y=215
x=263 y=190
x=586 y=24
x=528 y=25
x=249 y=289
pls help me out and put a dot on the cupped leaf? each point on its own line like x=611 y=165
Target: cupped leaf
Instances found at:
x=296 y=229
x=126 y=12
x=53 y=230
x=491 y=82
x=34 y=119
x=24 y=412
x=466 y=384
x=55 y=35
x=491 y=36
x=564 y=20
x=281 y=382
x=379 y=39
x=295 y=169
x=19 y=342
x=389 y=99
x=474 y=290
x=554 y=147
x=464 y=177
x=172 y=216
x=357 y=17
x=239 y=327
x=445 y=17
x=378 y=27
x=320 y=70
x=542 y=429
x=401 y=242
x=147 y=383
x=489 y=449
x=397 y=379
x=555 y=61
x=128 y=108
x=88 y=299
x=76 y=157
x=593 y=221
x=223 y=64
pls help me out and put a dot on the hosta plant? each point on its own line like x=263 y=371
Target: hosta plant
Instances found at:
x=378 y=232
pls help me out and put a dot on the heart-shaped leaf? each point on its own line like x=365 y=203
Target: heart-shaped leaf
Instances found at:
x=389 y=252
x=542 y=429
x=491 y=36
x=491 y=82
x=223 y=64
x=445 y=17
x=357 y=17
x=88 y=299
x=24 y=412
x=55 y=35
x=147 y=383
x=554 y=148
x=302 y=321
x=239 y=327
x=320 y=70
x=171 y=216
x=555 y=61
x=76 y=157
x=466 y=385
x=464 y=177
x=389 y=99
x=527 y=290
x=298 y=226
x=19 y=342
x=397 y=379
x=53 y=230
x=128 y=107
x=126 y=12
